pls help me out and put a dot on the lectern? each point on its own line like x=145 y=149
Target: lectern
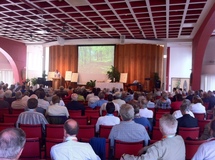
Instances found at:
x=56 y=83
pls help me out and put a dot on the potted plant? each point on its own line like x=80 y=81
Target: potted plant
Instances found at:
x=34 y=81
x=91 y=84
x=113 y=74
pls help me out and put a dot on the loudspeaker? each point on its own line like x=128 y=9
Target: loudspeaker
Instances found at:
x=158 y=84
x=60 y=40
x=122 y=39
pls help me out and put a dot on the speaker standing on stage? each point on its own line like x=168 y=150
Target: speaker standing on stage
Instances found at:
x=57 y=74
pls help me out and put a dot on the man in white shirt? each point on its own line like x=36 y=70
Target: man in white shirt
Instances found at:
x=56 y=109
x=109 y=119
x=41 y=102
x=117 y=99
x=71 y=149
x=57 y=74
x=110 y=99
x=144 y=111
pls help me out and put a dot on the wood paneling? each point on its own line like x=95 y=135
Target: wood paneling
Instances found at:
x=140 y=61
x=63 y=58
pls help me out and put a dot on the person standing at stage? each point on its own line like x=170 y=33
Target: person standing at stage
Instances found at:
x=57 y=74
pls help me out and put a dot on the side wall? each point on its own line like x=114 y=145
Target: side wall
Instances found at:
x=17 y=51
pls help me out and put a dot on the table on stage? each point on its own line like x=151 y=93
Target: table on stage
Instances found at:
x=103 y=85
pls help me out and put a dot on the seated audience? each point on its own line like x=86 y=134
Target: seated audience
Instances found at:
x=110 y=99
x=117 y=99
x=56 y=109
x=207 y=129
x=61 y=93
x=175 y=105
x=42 y=103
x=12 y=142
x=211 y=98
x=3 y=103
x=31 y=115
x=78 y=91
x=148 y=101
x=71 y=149
x=164 y=102
x=128 y=130
x=196 y=106
x=127 y=96
x=8 y=97
x=170 y=147
x=18 y=103
x=93 y=97
x=141 y=120
x=109 y=119
x=206 y=151
x=25 y=97
x=75 y=105
x=186 y=120
x=177 y=114
x=190 y=95
x=100 y=102
x=144 y=111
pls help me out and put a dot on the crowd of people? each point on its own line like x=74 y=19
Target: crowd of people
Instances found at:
x=134 y=122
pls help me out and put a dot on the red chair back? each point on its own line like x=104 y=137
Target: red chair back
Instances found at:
x=86 y=131
x=54 y=131
x=131 y=148
x=206 y=104
x=104 y=131
x=6 y=125
x=82 y=120
x=89 y=113
x=159 y=114
x=156 y=134
x=17 y=111
x=49 y=143
x=31 y=149
x=191 y=147
x=201 y=124
x=189 y=132
x=199 y=116
x=93 y=120
x=32 y=130
x=2 y=112
x=10 y=118
x=75 y=113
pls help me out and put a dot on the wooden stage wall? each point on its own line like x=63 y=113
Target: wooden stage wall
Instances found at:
x=140 y=61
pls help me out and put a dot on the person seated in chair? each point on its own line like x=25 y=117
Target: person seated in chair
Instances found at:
x=206 y=150
x=56 y=109
x=170 y=147
x=128 y=130
x=100 y=102
x=31 y=116
x=12 y=142
x=164 y=102
x=71 y=149
x=140 y=120
x=186 y=120
x=109 y=119
x=75 y=105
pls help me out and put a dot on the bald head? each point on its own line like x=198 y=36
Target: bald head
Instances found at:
x=71 y=127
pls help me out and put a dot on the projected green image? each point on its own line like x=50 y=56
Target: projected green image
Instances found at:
x=95 y=59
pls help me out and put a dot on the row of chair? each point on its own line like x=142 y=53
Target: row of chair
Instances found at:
x=32 y=148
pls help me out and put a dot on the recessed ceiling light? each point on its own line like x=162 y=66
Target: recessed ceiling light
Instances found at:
x=107 y=29
x=41 y=32
x=188 y=25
